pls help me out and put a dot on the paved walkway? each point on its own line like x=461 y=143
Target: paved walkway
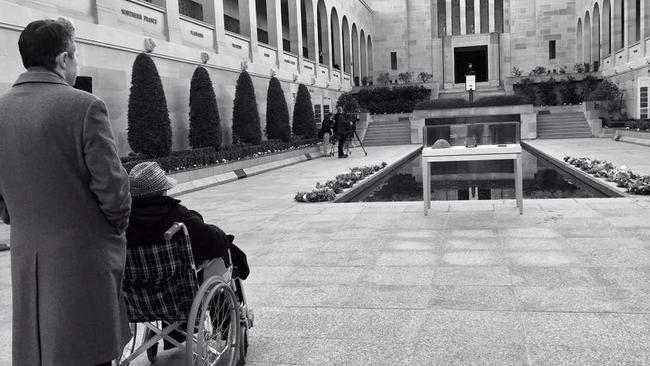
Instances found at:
x=635 y=157
x=566 y=283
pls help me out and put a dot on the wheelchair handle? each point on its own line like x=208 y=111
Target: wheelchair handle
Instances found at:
x=169 y=234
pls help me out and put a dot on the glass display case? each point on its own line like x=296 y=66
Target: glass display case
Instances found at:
x=471 y=134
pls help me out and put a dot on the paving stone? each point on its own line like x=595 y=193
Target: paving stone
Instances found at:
x=329 y=352
x=577 y=299
x=614 y=243
x=408 y=258
x=472 y=233
x=472 y=276
x=630 y=299
x=384 y=275
x=473 y=298
x=466 y=244
x=486 y=328
x=473 y=258
x=622 y=277
x=614 y=257
x=533 y=276
x=534 y=244
x=530 y=232
x=411 y=245
x=340 y=323
x=460 y=353
x=543 y=259
x=587 y=356
x=575 y=329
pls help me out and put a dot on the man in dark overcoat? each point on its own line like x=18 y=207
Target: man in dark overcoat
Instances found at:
x=341 y=130
x=66 y=197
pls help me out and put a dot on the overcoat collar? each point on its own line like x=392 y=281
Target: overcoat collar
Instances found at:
x=39 y=74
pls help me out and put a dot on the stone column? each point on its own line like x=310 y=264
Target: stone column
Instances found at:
x=463 y=16
x=315 y=40
x=493 y=60
x=626 y=34
x=248 y=26
x=642 y=25
x=295 y=30
x=274 y=21
x=327 y=41
x=448 y=27
x=106 y=13
x=172 y=16
x=477 y=16
x=491 y=15
x=219 y=27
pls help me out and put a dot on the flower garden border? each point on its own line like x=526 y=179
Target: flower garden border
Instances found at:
x=200 y=178
x=356 y=190
x=607 y=188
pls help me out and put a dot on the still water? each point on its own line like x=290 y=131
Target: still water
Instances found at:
x=477 y=180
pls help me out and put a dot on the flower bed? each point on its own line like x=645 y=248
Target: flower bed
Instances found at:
x=328 y=190
x=623 y=177
x=195 y=158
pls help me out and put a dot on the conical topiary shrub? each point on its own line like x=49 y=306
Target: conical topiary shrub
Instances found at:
x=205 y=125
x=245 y=118
x=303 y=114
x=149 y=127
x=277 y=113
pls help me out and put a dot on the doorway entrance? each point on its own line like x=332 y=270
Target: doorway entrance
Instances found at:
x=477 y=56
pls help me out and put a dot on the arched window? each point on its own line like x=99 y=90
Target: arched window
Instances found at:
x=347 y=58
x=323 y=35
x=595 y=36
x=307 y=24
x=579 y=54
x=336 y=40
x=356 y=57
x=607 y=28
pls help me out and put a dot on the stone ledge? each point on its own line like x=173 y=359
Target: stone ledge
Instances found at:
x=632 y=136
x=197 y=179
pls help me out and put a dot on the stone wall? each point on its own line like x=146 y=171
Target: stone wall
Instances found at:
x=107 y=53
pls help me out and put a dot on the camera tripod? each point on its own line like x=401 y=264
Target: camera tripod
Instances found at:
x=349 y=141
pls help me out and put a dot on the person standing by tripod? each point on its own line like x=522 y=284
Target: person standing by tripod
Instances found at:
x=341 y=130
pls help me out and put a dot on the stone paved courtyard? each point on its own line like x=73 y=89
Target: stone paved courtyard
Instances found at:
x=567 y=283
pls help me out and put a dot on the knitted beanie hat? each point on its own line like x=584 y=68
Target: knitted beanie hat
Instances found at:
x=148 y=179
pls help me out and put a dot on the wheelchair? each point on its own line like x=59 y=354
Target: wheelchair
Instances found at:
x=163 y=295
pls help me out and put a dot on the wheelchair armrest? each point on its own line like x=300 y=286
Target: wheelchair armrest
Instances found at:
x=169 y=234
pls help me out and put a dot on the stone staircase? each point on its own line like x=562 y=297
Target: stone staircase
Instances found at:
x=388 y=133
x=482 y=91
x=562 y=125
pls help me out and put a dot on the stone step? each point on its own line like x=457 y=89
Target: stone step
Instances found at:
x=563 y=125
x=564 y=137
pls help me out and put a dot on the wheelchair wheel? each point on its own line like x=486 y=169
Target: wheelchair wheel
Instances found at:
x=243 y=349
x=214 y=318
x=152 y=352
x=129 y=348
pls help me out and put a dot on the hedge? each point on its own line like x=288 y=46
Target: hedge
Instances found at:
x=245 y=118
x=149 y=127
x=492 y=101
x=277 y=113
x=189 y=159
x=303 y=114
x=396 y=100
x=641 y=124
x=205 y=124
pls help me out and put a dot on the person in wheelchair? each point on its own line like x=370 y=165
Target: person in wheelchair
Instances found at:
x=153 y=212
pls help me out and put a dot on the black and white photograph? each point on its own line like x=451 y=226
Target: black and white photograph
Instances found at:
x=324 y=182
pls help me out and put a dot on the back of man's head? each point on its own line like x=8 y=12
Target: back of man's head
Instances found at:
x=43 y=40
